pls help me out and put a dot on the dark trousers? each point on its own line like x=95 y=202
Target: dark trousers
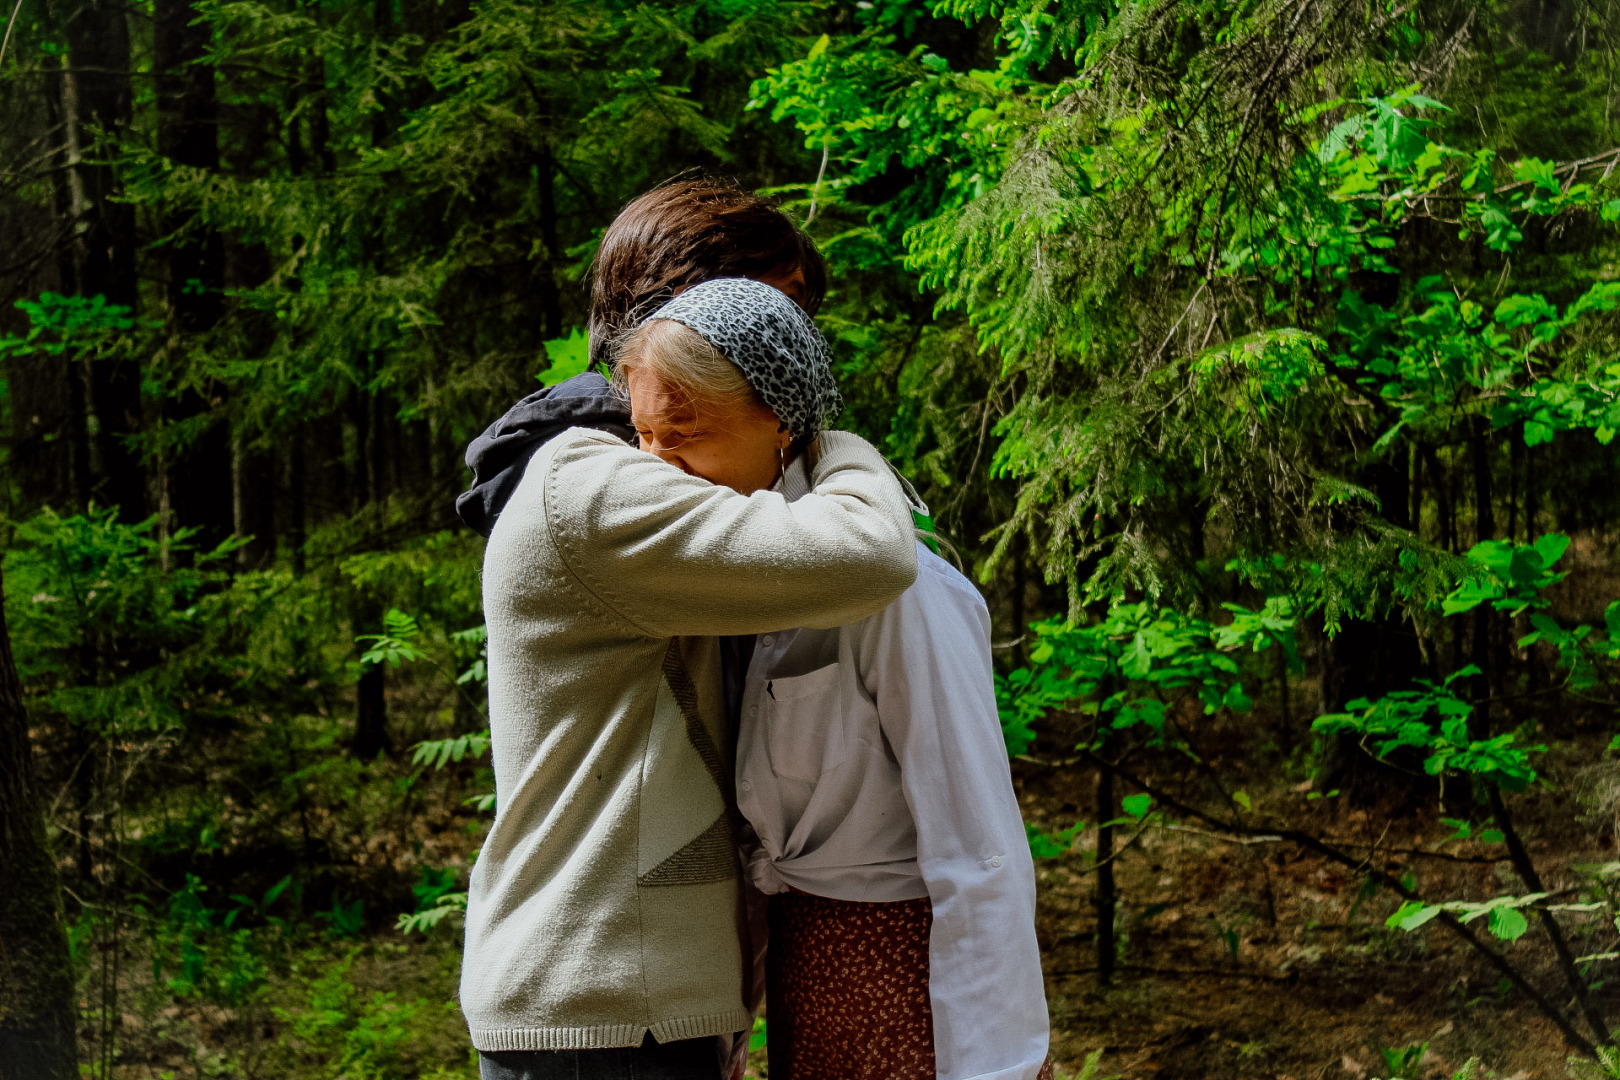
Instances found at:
x=686 y=1059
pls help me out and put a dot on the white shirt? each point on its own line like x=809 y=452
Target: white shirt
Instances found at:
x=870 y=766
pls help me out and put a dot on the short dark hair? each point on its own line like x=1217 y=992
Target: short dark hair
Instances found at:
x=686 y=231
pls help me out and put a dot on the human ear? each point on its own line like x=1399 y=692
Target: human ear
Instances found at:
x=784 y=437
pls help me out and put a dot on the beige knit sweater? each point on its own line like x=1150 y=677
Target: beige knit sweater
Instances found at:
x=604 y=902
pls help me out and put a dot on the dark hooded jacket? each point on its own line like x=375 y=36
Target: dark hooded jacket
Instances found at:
x=499 y=456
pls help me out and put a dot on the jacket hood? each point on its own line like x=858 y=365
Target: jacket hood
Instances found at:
x=499 y=456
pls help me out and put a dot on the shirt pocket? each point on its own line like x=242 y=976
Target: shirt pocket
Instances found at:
x=804 y=731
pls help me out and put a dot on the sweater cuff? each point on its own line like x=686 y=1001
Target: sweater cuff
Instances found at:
x=840 y=449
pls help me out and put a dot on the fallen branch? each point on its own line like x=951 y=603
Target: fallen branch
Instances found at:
x=1526 y=870
x=1226 y=839
x=1221 y=973
x=1576 y=1040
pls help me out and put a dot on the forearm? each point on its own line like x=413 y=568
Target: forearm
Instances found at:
x=985 y=981
x=673 y=555
x=931 y=666
x=985 y=985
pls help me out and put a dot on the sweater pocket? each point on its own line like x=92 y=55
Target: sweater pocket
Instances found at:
x=804 y=717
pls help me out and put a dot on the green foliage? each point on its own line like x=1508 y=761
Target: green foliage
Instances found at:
x=1434 y=721
x=1231 y=939
x=1503 y=916
x=213 y=960
x=566 y=357
x=344 y=919
x=435 y=573
x=1581 y=651
x=1098 y=229
x=396 y=644
x=436 y=900
x=1051 y=845
x=1606 y=1067
x=1465 y=831
x=473 y=642
x=440 y=752
x=870 y=106
x=1092 y=1068
x=1125 y=671
x=349 y=1033
x=1179 y=306
x=433 y=203
x=118 y=622
x=1274 y=624
x=436 y=896
x=1511 y=576
x=1126 y=675
x=77 y=327
x=1405 y=1063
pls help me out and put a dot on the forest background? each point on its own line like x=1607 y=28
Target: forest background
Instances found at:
x=1258 y=358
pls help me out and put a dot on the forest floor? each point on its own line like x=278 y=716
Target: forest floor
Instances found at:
x=1263 y=960
x=1236 y=960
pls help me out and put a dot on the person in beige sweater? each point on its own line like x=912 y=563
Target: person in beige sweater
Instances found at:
x=602 y=912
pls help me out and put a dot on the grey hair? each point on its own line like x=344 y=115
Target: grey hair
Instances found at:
x=684 y=360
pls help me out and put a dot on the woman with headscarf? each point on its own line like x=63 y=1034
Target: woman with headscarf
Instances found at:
x=602 y=913
x=880 y=815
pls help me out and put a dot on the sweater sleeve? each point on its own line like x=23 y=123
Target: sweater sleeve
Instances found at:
x=672 y=554
x=928 y=658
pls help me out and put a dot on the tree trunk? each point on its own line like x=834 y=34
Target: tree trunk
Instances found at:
x=550 y=297
x=1368 y=658
x=1020 y=611
x=371 y=714
x=1284 y=703
x=44 y=423
x=37 y=1034
x=1484 y=529
x=50 y=458
x=1525 y=867
x=96 y=99
x=1444 y=504
x=48 y=454
x=370 y=698
x=188 y=134
x=298 y=524
x=1105 y=897
x=1414 y=491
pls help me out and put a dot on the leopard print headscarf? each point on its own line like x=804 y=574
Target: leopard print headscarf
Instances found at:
x=771 y=340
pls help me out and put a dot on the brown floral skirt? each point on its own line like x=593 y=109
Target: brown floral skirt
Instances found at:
x=847 y=990
x=846 y=986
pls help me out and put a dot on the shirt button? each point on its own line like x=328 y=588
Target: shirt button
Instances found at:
x=765 y=641
x=996 y=861
x=746 y=786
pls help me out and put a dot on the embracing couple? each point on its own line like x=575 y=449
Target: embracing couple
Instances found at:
x=743 y=724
